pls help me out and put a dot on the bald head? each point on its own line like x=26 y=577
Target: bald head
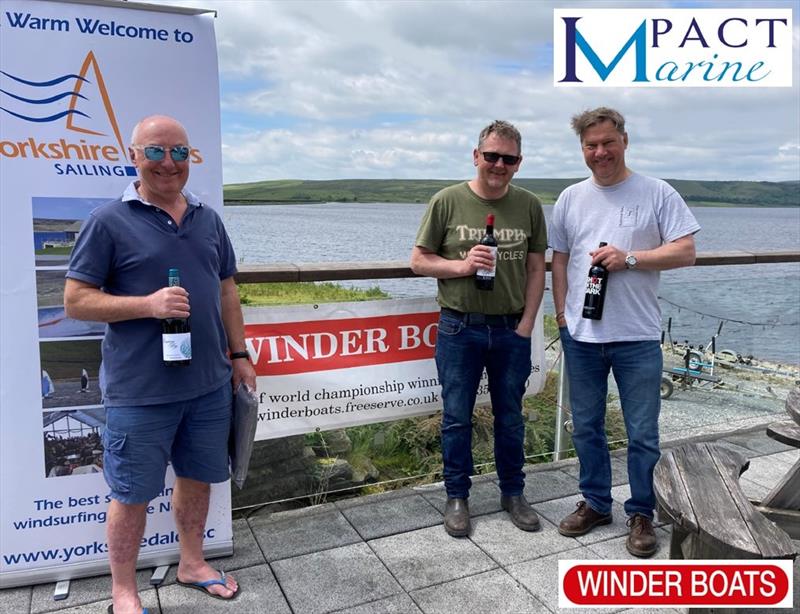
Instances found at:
x=157 y=124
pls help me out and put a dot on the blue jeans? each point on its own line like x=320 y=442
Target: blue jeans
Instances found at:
x=463 y=350
x=637 y=370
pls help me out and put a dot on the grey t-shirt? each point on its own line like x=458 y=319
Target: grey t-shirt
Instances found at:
x=639 y=213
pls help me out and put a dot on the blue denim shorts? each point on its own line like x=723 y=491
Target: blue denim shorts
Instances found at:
x=139 y=442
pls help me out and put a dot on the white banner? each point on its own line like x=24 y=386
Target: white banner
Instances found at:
x=75 y=79
x=342 y=364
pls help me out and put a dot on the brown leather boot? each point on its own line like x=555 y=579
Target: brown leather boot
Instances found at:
x=456 y=517
x=582 y=520
x=641 y=540
x=521 y=512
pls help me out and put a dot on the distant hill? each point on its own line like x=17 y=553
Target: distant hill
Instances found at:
x=708 y=193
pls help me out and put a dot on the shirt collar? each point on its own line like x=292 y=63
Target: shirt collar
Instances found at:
x=131 y=193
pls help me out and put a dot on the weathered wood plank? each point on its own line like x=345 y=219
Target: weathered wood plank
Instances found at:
x=793 y=405
x=697 y=486
x=786 y=493
x=788 y=520
x=787 y=431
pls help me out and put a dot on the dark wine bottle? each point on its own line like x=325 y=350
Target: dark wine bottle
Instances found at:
x=484 y=278
x=595 y=290
x=176 y=336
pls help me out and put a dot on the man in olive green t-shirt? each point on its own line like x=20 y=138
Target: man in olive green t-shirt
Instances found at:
x=485 y=329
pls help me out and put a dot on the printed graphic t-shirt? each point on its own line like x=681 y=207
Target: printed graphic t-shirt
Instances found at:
x=455 y=221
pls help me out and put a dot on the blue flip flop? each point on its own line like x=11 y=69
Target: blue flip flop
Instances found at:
x=203 y=586
x=111 y=610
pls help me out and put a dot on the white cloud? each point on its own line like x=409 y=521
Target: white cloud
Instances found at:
x=319 y=90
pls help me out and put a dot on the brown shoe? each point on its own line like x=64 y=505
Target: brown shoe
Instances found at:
x=642 y=538
x=582 y=520
x=456 y=517
x=521 y=512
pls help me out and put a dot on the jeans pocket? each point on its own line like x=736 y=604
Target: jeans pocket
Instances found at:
x=116 y=467
x=450 y=326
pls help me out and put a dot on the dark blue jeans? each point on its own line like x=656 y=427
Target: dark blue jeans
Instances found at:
x=637 y=370
x=463 y=350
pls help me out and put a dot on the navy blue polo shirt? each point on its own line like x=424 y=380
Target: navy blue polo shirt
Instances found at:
x=126 y=247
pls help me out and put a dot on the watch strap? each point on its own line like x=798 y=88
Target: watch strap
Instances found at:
x=235 y=355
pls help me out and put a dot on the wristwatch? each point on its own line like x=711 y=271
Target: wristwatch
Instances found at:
x=244 y=354
x=630 y=261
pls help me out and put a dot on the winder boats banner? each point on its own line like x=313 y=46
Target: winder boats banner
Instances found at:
x=330 y=366
x=74 y=79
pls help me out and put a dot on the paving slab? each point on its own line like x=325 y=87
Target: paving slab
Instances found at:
x=284 y=536
x=766 y=470
x=492 y=592
x=615 y=550
x=392 y=516
x=758 y=441
x=506 y=544
x=484 y=498
x=259 y=592
x=790 y=456
x=415 y=559
x=359 y=500
x=557 y=509
x=15 y=600
x=83 y=591
x=396 y=604
x=334 y=579
x=148 y=597
x=544 y=485
x=540 y=577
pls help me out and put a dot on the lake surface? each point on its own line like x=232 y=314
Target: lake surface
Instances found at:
x=759 y=305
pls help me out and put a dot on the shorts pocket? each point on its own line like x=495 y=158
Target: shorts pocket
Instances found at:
x=116 y=465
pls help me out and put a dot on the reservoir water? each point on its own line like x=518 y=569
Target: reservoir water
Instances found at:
x=759 y=305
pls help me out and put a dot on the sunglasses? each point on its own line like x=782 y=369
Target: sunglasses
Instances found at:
x=492 y=157
x=156 y=153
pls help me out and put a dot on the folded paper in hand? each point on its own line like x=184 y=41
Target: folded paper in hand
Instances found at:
x=243 y=432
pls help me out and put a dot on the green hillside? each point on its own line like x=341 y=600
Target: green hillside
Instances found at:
x=720 y=193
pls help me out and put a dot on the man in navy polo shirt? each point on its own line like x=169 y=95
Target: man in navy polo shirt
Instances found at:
x=157 y=414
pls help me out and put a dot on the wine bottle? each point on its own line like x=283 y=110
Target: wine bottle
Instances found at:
x=484 y=278
x=595 y=290
x=176 y=336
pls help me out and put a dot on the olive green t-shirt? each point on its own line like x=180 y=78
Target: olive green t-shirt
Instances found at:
x=456 y=220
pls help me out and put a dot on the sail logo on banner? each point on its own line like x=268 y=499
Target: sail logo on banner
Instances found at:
x=86 y=138
x=672 y=47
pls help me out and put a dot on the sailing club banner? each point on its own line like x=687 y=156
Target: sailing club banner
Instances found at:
x=74 y=80
x=331 y=366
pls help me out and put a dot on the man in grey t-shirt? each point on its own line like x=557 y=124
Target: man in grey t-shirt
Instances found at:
x=648 y=228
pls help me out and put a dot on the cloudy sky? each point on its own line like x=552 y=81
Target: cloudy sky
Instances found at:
x=400 y=89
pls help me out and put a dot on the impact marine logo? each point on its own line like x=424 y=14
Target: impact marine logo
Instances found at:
x=672 y=47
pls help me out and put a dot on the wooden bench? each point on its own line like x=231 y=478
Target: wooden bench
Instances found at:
x=782 y=503
x=698 y=492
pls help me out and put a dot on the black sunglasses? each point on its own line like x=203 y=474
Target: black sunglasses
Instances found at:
x=156 y=153
x=492 y=157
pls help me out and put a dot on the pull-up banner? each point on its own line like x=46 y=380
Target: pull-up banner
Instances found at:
x=74 y=80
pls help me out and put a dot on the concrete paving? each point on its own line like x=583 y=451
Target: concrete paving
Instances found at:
x=388 y=553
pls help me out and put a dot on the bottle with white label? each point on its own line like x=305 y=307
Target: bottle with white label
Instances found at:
x=484 y=278
x=176 y=336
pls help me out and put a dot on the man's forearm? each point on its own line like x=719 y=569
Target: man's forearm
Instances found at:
x=83 y=301
x=559 y=278
x=534 y=288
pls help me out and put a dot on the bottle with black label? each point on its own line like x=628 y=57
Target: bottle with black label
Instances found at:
x=595 y=290
x=176 y=336
x=484 y=278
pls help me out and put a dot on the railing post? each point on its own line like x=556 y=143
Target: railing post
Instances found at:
x=562 y=409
